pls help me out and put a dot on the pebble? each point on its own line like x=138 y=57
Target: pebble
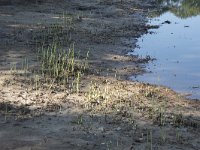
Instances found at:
x=101 y=129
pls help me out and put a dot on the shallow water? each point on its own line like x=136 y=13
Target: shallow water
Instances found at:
x=176 y=48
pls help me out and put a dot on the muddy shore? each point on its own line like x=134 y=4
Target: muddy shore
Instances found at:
x=104 y=110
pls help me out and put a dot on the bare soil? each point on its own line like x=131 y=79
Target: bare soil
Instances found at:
x=109 y=111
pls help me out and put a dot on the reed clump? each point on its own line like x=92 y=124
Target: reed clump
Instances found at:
x=61 y=65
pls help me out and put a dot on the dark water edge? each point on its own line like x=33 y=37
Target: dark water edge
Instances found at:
x=175 y=46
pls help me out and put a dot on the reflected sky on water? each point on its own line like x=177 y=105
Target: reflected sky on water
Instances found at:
x=176 y=47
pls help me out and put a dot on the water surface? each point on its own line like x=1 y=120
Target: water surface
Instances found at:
x=175 y=46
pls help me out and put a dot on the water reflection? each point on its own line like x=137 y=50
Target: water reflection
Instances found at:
x=175 y=46
x=180 y=8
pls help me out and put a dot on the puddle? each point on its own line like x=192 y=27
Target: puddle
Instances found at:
x=175 y=46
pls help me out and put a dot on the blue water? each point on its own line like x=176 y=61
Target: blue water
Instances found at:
x=176 y=48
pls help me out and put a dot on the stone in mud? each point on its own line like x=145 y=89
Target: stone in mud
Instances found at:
x=167 y=22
